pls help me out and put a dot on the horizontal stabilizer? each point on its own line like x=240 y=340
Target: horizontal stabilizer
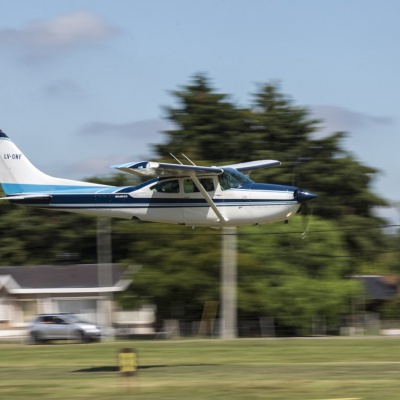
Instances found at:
x=27 y=197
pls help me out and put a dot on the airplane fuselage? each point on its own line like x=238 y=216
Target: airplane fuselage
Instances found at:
x=177 y=194
x=248 y=204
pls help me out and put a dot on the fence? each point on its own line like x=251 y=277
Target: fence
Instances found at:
x=367 y=324
x=364 y=325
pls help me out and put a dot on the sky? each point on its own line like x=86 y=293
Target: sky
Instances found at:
x=83 y=83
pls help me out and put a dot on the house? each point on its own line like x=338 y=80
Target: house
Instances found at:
x=84 y=289
x=378 y=289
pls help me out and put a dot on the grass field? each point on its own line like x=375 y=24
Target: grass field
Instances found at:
x=279 y=369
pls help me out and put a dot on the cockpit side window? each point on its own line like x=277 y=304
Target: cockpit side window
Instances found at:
x=208 y=184
x=171 y=186
x=190 y=187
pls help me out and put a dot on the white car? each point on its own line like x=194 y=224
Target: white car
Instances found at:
x=62 y=327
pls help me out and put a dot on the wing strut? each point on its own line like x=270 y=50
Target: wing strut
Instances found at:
x=206 y=196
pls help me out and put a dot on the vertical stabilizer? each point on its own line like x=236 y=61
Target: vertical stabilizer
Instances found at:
x=19 y=175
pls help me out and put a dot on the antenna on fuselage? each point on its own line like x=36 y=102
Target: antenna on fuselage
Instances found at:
x=175 y=158
x=187 y=158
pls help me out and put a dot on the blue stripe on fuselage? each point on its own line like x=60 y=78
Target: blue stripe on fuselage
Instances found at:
x=18 y=188
x=266 y=187
x=13 y=188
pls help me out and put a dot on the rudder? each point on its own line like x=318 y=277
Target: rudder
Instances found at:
x=19 y=175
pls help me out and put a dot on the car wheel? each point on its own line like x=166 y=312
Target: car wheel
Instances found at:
x=37 y=338
x=81 y=337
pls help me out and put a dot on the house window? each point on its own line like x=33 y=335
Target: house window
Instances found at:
x=28 y=309
x=4 y=310
x=86 y=308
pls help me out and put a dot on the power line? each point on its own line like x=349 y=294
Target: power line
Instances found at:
x=310 y=232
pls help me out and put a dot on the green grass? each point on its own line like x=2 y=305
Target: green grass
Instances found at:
x=278 y=369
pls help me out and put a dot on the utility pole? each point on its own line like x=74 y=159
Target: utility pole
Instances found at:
x=104 y=269
x=229 y=283
x=396 y=204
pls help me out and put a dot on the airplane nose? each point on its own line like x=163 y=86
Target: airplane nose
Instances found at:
x=303 y=196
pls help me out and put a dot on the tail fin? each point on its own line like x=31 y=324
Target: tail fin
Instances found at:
x=19 y=176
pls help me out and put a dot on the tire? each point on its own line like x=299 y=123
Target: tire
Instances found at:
x=80 y=337
x=37 y=338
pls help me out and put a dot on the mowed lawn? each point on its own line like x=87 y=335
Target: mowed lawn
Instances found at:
x=279 y=369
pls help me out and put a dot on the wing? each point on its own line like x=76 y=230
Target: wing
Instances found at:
x=154 y=169
x=249 y=166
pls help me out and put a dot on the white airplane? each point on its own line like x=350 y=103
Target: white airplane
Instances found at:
x=177 y=194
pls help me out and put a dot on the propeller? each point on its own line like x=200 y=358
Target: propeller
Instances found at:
x=303 y=197
x=307 y=212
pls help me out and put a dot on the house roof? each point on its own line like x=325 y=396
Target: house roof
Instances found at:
x=7 y=282
x=379 y=287
x=63 y=278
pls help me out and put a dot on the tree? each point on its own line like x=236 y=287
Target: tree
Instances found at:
x=280 y=274
x=179 y=268
x=33 y=236
x=292 y=279
x=342 y=183
x=209 y=126
x=215 y=131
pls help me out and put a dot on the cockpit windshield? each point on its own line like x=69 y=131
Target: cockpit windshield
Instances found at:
x=232 y=178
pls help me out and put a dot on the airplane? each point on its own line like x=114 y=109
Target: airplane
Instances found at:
x=175 y=193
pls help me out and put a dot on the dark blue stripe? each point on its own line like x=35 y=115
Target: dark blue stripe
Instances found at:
x=128 y=200
x=110 y=201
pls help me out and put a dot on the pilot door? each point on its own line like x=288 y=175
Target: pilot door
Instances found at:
x=196 y=210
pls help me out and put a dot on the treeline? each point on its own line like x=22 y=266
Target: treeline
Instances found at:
x=293 y=272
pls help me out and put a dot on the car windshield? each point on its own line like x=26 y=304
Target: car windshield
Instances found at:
x=232 y=178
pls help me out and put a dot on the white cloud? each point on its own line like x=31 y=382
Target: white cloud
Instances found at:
x=335 y=118
x=102 y=138
x=42 y=39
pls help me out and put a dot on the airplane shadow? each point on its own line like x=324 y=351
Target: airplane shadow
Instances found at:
x=113 y=368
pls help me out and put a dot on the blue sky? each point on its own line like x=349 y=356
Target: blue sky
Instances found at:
x=83 y=82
